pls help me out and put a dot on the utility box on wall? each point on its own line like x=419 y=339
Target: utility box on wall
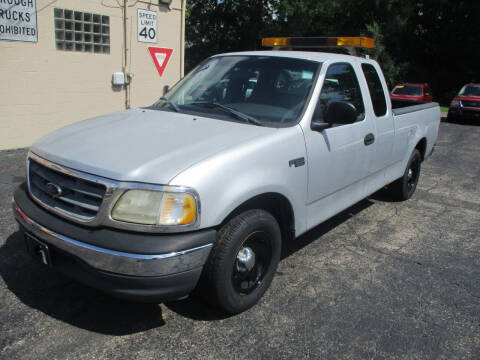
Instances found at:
x=68 y=62
x=118 y=79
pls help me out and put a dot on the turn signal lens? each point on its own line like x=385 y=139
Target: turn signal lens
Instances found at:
x=177 y=209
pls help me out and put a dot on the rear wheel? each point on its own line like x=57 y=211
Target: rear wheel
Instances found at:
x=403 y=188
x=243 y=261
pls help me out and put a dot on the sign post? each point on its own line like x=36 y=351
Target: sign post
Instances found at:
x=147 y=26
x=18 y=20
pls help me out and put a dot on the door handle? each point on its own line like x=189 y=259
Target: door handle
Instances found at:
x=369 y=139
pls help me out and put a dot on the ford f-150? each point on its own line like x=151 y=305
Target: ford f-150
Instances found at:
x=199 y=190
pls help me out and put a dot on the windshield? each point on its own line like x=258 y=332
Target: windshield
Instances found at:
x=470 y=90
x=407 y=90
x=261 y=90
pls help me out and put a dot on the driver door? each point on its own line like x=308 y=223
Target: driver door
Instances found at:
x=338 y=157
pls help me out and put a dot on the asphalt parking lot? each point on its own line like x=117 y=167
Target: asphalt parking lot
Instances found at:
x=382 y=280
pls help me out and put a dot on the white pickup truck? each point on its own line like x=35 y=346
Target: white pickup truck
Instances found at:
x=199 y=190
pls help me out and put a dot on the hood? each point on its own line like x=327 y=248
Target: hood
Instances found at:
x=466 y=98
x=142 y=145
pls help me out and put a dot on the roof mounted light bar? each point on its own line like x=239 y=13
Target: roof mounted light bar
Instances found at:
x=318 y=42
x=349 y=43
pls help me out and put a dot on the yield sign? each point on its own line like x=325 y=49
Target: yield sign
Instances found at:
x=160 y=57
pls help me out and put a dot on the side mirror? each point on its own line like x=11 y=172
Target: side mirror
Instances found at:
x=165 y=89
x=341 y=112
x=319 y=125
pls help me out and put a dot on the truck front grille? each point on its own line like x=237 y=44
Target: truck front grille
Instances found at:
x=67 y=194
x=471 y=103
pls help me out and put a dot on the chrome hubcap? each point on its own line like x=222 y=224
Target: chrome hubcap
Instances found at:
x=251 y=263
x=245 y=259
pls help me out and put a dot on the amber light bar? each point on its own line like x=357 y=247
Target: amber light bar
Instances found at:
x=316 y=42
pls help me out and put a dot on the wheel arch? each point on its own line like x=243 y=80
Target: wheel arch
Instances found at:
x=422 y=147
x=276 y=204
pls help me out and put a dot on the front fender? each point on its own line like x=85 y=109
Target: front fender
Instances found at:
x=259 y=166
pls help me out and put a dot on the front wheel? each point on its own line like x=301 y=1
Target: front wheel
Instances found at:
x=450 y=117
x=243 y=261
x=403 y=188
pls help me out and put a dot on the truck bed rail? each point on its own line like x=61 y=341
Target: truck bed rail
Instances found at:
x=413 y=108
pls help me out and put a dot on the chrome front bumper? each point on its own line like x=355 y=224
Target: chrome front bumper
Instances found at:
x=115 y=261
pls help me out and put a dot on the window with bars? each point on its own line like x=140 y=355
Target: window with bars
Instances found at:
x=82 y=31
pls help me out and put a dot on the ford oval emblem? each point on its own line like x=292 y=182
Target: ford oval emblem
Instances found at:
x=54 y=190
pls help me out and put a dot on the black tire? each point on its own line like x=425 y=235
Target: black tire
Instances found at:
x=227 y=283
x=403 y=188
x=450 y=118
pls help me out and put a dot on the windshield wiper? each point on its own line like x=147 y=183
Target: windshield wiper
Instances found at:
x=231 y=111
x=171 y=104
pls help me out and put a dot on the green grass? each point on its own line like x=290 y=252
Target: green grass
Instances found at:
x=444 y=109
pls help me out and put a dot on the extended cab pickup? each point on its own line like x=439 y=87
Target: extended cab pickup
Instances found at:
x=200 y=189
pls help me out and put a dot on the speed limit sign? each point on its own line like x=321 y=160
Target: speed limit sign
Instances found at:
x=147 y=26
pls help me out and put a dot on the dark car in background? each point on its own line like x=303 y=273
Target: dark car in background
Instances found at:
x=412 y=92
x=466 y=105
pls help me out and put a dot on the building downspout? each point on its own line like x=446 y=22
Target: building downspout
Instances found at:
x=182 y=40
x=125 y=56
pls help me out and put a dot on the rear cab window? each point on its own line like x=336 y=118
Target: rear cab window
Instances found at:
x=375 y=88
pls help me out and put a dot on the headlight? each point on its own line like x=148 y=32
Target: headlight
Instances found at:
x=455 y=103
x=155 y=208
